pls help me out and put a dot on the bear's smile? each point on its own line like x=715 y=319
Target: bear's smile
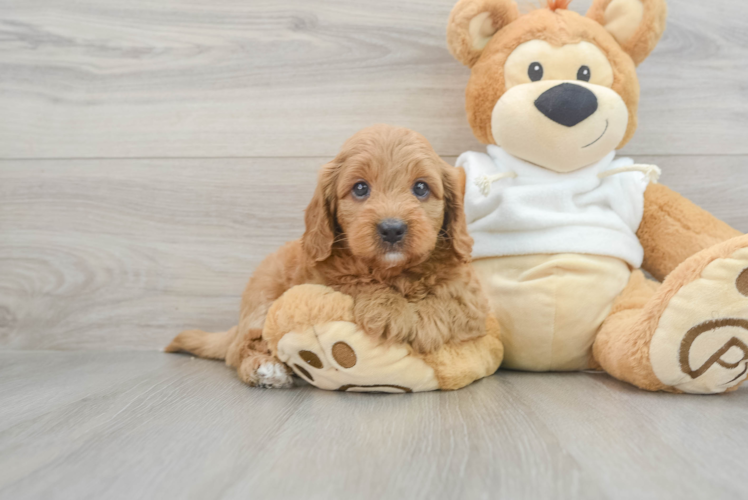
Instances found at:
x=601 y=135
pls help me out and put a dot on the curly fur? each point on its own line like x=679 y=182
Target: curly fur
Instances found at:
x=428 y=295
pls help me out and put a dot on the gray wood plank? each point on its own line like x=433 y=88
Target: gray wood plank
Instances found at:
x=296 y=77
x=123 y=254
x=137 y=243
x=178 y=427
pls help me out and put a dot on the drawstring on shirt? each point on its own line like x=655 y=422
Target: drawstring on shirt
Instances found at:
x=653 y=173
x=484 y=182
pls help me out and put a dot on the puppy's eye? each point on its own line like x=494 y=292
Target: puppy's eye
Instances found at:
x=421 y=189
x=535 y=72
x=584 y=74
x=360 y=190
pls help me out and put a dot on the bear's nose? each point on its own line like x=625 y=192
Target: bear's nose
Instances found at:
x=392 y=230
x=567 y=104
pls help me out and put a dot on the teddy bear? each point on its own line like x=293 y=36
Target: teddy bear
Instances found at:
x=563 y=227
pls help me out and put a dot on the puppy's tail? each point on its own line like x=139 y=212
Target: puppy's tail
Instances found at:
x=203 y=344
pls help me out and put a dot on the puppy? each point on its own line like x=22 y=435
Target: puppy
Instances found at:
x=386 y=226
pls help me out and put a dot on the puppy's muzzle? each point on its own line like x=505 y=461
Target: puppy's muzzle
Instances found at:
x=392 y=230
x=567 y=104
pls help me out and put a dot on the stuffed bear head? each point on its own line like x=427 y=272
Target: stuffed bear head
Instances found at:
x=553 y=87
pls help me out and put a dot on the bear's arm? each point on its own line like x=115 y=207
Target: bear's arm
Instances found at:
x=673 y=228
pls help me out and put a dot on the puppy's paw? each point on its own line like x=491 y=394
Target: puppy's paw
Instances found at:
x=273 y=376
x=265 y=372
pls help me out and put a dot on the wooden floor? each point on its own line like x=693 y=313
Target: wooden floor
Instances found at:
x=151 y=153
x=151 y=425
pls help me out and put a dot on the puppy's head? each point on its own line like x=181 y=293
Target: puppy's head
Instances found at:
x=389 y=200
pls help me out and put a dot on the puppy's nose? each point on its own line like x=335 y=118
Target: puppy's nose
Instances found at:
x=567 y=104
x=392 y=230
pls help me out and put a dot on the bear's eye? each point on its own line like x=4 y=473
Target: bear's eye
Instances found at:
x=584 y=74
x=421 y=189
x=360 y=190
x=535 y=72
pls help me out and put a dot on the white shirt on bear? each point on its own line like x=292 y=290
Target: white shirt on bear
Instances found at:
x=544 y=212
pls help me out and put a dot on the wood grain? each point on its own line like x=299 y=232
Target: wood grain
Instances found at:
x=123 y=254
x=93 y=79
x=141 y=249
x=151 y=425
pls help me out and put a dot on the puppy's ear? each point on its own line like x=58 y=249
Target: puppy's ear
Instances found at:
x=320 y=230
x=637 y=25
x=455 y=225
x=473 y=23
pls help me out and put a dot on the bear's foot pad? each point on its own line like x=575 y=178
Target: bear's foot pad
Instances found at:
x=701 y=343
x=337 y=355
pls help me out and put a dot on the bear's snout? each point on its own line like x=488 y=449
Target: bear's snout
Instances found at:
x=567 y=104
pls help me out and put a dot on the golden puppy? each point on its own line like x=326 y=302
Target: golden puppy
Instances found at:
x=386 y=226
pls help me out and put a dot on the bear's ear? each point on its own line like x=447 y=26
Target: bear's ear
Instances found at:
x=473 y=23
x=637 y=25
